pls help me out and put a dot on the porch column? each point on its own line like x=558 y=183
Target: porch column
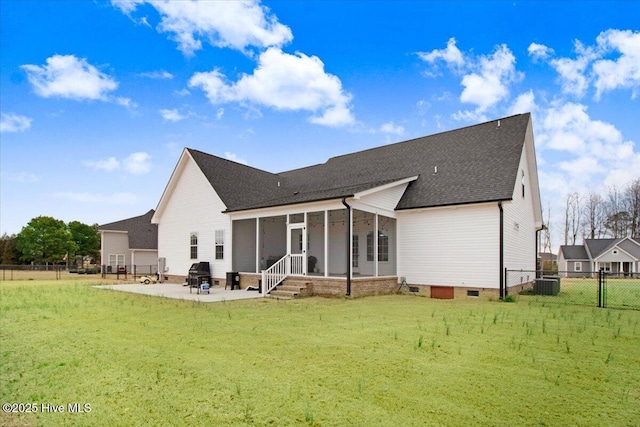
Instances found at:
x=350 y=245
x=258 y=245
x=305 y=243
x=326 y=243
x=375 y=245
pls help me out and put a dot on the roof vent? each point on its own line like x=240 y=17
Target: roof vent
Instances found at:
x=435 y=170
x=498 y=124
x=278 y=183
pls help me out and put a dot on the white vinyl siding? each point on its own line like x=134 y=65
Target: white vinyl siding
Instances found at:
x=519 y=225
x=387 y=199
x=191 y=205
x=456 y=246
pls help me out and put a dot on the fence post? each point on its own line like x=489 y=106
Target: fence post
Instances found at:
x=506 y=282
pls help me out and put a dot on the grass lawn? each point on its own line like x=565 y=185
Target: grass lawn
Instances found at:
x=393 y=360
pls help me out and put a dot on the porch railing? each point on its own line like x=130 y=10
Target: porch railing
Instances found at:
x=285 y=266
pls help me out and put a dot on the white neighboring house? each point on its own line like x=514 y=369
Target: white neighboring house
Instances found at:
x=446 y=214
x=130 y=245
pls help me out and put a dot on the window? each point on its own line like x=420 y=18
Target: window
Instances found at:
x=578 y=266
x=193 y=245
x=219 y=244
x=606 y=266
x=383 y=246
x=523 y=183
x=116 y=259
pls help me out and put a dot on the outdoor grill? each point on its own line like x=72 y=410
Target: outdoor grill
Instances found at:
x=199 y=273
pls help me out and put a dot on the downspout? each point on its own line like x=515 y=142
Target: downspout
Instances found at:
x=348 y=250
x=502 y=284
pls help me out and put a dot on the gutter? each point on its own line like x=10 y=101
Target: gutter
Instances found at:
x=502 y=283
x=348 y=251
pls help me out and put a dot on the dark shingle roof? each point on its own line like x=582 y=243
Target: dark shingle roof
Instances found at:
x=474 y=164
x=574 y=252
x=142 y=234
x=599 y=246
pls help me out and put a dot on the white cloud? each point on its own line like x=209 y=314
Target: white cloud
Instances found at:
x=392 y=128
x=219 y=113
x=524 y=103
x=233 y=24
x=284 y=82
x=108 y=164
x=137 y=163
x=125 y=102
x=622 y=72
x=234 y=157
x=121 y=198
x=451 y=55
x=65 y=76
x=20 y=177
x=573 y=78
x=11 y=122
x=490 y=85
x=539 y=51
x=172 y=115
x=158 y=75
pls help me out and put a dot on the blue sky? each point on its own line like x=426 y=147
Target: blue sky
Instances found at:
x=98 y=99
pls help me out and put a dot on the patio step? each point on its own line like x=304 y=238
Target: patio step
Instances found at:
x=290 y=289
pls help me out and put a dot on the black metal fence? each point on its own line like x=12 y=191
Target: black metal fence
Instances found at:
x=129 y=272
x=41 y=271
x=592 y=288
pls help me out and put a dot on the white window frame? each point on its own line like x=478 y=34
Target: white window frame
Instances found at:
x=116 y=259
x=219 y=244
x=193 y=244
x=606 y=266
x=577 y=266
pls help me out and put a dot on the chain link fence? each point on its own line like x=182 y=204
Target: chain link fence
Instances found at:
x=129 y=272
x=591 y=288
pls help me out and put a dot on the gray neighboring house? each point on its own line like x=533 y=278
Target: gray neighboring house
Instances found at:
x=130 y=244
x=615 y=256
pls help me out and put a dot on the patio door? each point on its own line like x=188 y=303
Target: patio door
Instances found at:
x=297 y=247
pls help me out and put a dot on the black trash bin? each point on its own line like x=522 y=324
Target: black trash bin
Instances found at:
x=233 y=280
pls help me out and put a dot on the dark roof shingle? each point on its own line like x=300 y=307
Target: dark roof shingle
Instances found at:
x=142 y=233
x=474 y=164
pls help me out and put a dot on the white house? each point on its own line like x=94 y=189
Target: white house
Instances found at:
x=444 y=214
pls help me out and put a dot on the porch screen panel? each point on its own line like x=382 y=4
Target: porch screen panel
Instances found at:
x=363 y=226
x=244 y=246
x=387 y=247
x=338 y=242
x=315 y=242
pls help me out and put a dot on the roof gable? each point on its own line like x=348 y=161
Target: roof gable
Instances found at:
x=142 y=233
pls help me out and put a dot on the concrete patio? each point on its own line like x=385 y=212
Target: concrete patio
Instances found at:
x=171 y=290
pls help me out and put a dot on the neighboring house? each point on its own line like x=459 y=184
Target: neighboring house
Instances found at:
x=615 y=256
x=130 y=244
x=445 y=214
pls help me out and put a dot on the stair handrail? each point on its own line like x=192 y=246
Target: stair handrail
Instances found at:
x=274 y=275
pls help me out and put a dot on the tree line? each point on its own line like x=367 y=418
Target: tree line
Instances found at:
x=594 y=216
x=47 y=240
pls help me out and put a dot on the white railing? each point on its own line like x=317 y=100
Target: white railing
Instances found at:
x=272 y=276
x=297 y=265
x=285 y=266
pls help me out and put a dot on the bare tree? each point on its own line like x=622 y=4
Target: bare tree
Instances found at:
x=617 y=218
x=593 y=216
x=572 y=218
x=632 y=205
x=546 y=236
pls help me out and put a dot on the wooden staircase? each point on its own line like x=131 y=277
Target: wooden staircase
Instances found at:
x=291 y=288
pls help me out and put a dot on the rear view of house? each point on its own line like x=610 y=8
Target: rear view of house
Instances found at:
x=443 y=214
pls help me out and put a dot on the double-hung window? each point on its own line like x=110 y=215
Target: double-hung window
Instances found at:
x=219 y=244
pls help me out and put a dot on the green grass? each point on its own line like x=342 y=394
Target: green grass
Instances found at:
x=392 y=360
x=620 y=293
